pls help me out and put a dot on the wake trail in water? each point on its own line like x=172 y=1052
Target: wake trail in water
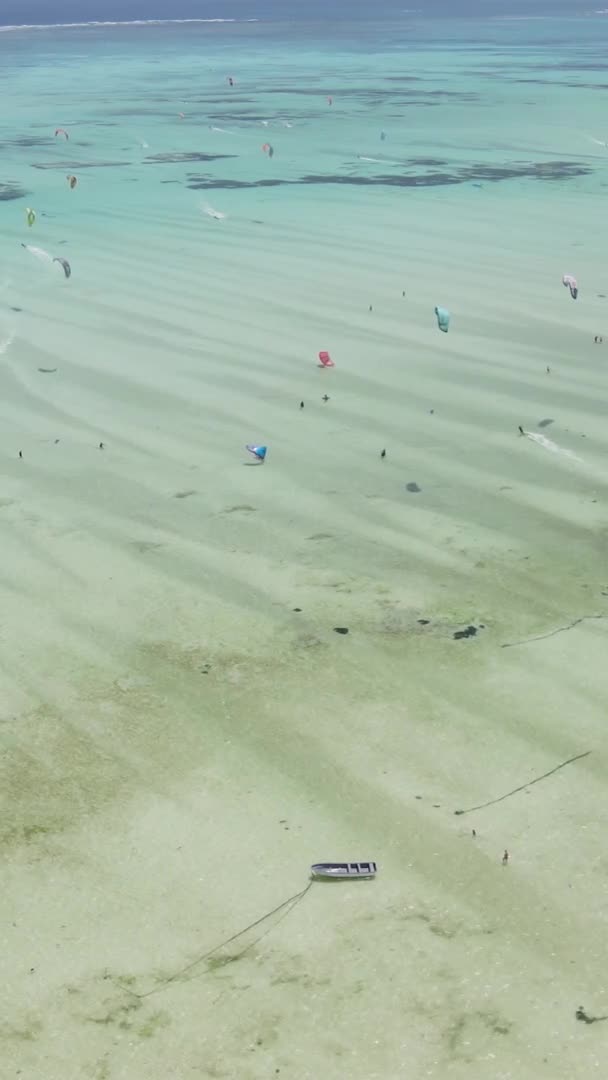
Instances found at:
x=217 y=214
x=6 y=344
x=38 y=253
x=378 y=161
x=548 y=444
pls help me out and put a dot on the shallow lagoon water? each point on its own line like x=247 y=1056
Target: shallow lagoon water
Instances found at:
x=184 y=731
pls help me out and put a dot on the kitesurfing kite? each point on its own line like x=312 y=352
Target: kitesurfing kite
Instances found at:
x=62 y=131
x=259 y=452
x=67 y=269
x=325 y=359
x=570 y=283
x=30 y=216
x=330 y=101
x=443 y=318
x=268 y=149
x=72 y=181
x=181 y=115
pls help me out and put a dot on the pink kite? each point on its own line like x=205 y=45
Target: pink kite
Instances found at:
x=61 y=131
x=325 y=359
x=268 y=149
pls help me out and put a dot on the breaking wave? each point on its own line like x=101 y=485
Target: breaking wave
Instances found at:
x=118 y=22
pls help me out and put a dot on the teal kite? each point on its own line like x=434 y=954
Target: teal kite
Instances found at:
x=443 y=318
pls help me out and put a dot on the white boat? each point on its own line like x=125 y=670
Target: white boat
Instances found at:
x=342 y=870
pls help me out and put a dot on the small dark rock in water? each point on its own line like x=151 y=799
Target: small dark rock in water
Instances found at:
x=424 y=622
x=469 y=632
x=341 y=629
x=545 y=423
x=413 y=486
x=297 y=608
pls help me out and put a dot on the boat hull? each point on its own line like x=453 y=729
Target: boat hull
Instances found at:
x=343 y=871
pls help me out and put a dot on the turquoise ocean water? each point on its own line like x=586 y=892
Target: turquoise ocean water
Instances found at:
x=479 y=144
x=417 y=104
x=500 y=111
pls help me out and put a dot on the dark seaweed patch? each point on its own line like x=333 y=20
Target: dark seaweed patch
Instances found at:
x=177 y=158
x=9 y=190
x=540 y=170
x=202 y=183
x=26 y=141
x=430 y=162
x=223 y=101
x=236 y=117
x=73 y=166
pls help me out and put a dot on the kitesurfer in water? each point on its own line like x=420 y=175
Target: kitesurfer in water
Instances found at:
x=521 y=430
x=301 y=404
x=383 y=454
x=325 y=398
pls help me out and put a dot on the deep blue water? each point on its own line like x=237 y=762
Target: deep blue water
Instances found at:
x=57 y=11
